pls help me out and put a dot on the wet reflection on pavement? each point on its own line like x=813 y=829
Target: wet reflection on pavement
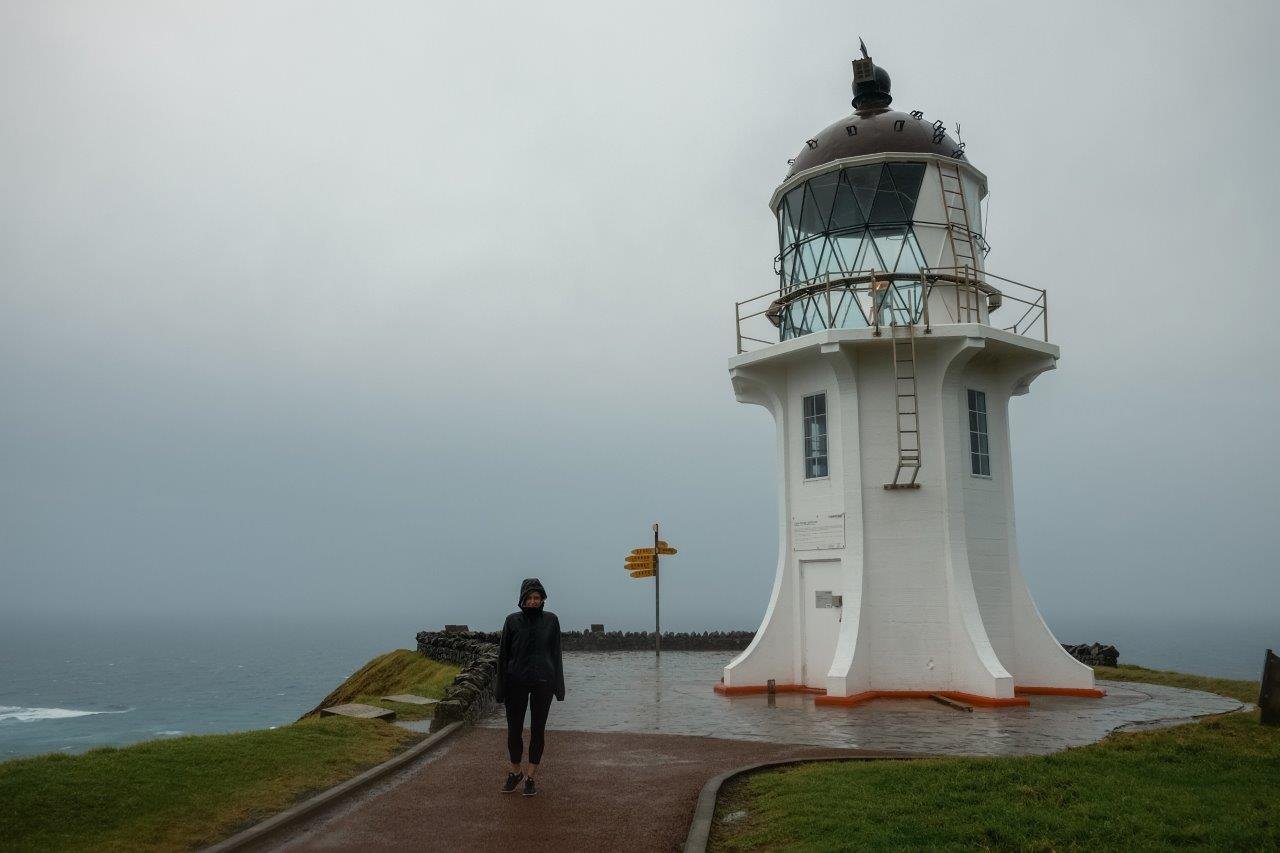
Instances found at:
x=634 y=692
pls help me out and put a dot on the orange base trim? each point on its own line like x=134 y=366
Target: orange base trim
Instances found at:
x=970 y=698
x=1087 y=692
x=744 y=689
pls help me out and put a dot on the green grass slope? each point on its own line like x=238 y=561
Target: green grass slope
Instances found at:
x=187 y=792
x=182 y=793
x=1212 y=784
x=401 y=671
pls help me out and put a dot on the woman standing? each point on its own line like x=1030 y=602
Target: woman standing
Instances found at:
x=529 y=673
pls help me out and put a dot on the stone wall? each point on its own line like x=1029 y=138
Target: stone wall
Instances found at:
x=622 y=641
x=1094 y=654
x=470 y=696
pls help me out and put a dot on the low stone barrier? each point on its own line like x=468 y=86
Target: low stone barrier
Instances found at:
x=1094 y=654
x=672 y=641
x=470 y=696
x=624 y=641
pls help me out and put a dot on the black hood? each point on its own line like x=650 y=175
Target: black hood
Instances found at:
x=529 y=585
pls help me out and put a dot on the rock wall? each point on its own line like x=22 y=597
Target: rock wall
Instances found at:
x=1094 y=654
x=470 y=696
x=622 y=641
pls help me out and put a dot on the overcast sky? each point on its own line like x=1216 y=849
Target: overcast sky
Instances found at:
x=312 y=309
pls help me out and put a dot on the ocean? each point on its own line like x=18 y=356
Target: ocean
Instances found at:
x=70 y=686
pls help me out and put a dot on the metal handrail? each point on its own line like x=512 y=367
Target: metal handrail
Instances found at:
x=885 y=297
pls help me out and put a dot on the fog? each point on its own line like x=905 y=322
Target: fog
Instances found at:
x=351 y=311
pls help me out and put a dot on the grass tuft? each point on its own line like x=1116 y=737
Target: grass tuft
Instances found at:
x=401 y=671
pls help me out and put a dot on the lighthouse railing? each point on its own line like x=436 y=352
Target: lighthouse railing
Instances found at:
x=876 y=299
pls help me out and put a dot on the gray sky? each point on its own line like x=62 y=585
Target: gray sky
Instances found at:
x=312 y=308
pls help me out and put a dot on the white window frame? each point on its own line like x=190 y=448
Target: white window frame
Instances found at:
x=825 y=456
x=979 y=422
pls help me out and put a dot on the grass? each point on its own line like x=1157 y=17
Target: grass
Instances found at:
x=186 y=792
x=1212 y=784
x=401 y=671
x=181 y=793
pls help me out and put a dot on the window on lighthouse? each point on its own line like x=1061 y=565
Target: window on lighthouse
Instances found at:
x=979 y=449
x=815 y=436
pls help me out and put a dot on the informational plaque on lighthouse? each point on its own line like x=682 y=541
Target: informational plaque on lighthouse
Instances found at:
x=822 y=532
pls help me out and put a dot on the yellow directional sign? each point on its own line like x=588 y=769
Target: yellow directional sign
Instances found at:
x=643 y=573
x=667 y=551
x=640 y=558
x=640 y=552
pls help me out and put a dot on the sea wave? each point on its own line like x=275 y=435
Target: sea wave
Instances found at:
x=32 y=715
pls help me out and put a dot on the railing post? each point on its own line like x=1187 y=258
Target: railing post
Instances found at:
x=926 y=290
x=875 y=303
x=737 y=319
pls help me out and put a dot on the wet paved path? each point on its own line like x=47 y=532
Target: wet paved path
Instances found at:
x=597 y=792
x=629 y=692
x=635 y=741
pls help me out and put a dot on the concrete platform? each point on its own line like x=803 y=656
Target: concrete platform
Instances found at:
x=359 y=711
x=628 y=752
x=631 y=692
x=410 y=699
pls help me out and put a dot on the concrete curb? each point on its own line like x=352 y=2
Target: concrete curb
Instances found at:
x=295 y=814
x=704 y=813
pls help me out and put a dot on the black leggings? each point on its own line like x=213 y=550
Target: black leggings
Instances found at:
x=537 y=697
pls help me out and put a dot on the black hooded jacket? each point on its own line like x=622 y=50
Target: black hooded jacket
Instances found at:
x=529 y=651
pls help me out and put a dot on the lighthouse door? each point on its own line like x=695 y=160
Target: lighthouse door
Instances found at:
x=820 y=612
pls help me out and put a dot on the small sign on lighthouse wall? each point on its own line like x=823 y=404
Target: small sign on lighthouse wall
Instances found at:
x=822 y=532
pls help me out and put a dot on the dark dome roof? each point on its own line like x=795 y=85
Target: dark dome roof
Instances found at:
x=875 y=131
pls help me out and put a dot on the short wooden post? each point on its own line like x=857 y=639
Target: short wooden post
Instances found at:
x=1269 y=696
x=771 y=686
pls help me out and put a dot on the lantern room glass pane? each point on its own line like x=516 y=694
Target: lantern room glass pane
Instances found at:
x=845 y=222
x=864 y=180
x=907 y=178
x=845 y=211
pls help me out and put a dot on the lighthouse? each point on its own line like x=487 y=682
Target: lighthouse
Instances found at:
x=887 y=356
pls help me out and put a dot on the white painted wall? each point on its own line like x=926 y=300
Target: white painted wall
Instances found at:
x=932 y=596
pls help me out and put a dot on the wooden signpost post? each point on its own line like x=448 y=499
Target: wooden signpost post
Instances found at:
x=643 y=563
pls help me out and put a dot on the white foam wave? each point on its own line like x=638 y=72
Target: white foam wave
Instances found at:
x=32 y=715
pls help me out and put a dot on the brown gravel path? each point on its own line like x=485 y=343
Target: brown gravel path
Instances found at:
x=597 y=791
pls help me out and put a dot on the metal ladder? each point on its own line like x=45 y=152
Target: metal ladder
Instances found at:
x=960 y=238
x=903 y=338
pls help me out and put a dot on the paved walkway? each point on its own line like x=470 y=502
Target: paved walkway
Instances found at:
x=597 y=792
x=631 y=692
x=637 y=738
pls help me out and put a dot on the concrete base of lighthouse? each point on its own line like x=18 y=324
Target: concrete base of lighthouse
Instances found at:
x=900 y=593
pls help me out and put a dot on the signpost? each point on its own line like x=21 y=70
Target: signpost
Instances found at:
x=643 y=563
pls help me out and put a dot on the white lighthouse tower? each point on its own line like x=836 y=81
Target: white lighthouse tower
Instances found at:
x=887 y=357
